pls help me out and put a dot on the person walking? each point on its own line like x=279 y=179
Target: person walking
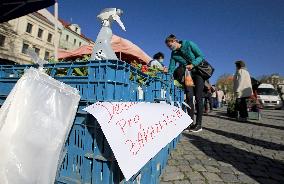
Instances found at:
x=188 y=56
x=220 y=96
x=214 y=97
x=242 y=89
x=208 y=97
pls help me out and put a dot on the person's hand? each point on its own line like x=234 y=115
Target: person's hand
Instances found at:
x=189 y=67
x=165 y=70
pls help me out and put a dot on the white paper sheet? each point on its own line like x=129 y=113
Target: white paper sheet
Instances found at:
x=136 y=132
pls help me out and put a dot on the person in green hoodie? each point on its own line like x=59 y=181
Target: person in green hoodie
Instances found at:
x=187 y=55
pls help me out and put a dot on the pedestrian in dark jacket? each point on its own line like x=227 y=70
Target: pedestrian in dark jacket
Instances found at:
x=207 y=96
x=188 y=55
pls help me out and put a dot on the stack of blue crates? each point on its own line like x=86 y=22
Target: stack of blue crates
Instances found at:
x=89 y=158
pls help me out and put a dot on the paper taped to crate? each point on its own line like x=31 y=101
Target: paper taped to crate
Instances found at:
x=35 y=121
x=136 y=132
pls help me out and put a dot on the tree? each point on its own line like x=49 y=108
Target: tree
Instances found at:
x=263 y=78
x=274 y=79
x=225 y=83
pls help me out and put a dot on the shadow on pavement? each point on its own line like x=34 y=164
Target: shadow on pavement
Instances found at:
x=262 y=169
x=249 y=140
x=222 y=116
x=272 y=118
x=273 y=115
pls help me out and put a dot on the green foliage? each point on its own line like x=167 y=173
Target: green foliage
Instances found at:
x=225 y=83
x=150 y=71
x=86 y=57
x=141 y=80
x=80 y=71
x=232 y=105
x=60 y=72
x=52 y=60
x=231 y=109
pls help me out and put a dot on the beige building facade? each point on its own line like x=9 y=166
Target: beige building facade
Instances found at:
x=30 y=31
x=37 y=31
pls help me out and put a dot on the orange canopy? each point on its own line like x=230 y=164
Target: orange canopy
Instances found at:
x=124 y=49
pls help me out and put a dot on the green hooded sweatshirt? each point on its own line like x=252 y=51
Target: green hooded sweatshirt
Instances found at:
x=190 y=51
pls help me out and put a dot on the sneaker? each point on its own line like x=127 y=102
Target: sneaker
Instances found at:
x=186 y=131
x=192 y=126
x=196 y=129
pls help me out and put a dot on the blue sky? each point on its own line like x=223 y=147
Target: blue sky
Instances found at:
x=225 y=30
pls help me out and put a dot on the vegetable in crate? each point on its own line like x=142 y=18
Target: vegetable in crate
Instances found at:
x=144 y=68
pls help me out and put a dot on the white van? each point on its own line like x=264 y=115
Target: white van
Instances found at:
x=268 y=96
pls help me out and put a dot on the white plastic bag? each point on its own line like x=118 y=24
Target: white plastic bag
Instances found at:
x=188 y=82
x=35 y=121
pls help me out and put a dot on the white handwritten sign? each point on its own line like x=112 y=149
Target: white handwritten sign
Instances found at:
x=136 y=132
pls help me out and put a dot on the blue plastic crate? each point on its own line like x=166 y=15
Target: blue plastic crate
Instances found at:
x=2 y=99
x=81 y=86
x=67 y=70
x=6 y=85
x=148 y=93
x=165 y=157
x=98 y=89
x=108 y=91
x=171 y=146
x=102 y=164
x=76 y=167
x=13 y=71
x=109 y=70
x=166 y=77
x=106 y=80
x=159 y=89
x=157 y=162
x=140 y=91
x=144 y=176
x=134 y=94
x=254 y=115
x=89 y=158
x=175 y=142
x=178 y=94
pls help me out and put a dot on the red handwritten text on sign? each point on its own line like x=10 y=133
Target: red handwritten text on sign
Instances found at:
x=135 y=123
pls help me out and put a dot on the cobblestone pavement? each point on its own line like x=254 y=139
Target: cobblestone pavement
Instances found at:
x=227 y=151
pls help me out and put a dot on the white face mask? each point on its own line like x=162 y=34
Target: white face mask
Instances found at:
x=160 y=60
x=173 y=47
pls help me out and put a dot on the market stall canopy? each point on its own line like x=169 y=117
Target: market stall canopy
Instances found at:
x=124 y=49
x=11 y=9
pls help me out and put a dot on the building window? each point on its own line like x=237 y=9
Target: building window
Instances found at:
x=67 y=38
x=39 y=33
x=49 y=38
x=80 y=43
x=25 y=48
x=29 y=28
x=46 y=55
x=2 y=40
x=37 y=50
x=75 y=41
x=76 y=30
